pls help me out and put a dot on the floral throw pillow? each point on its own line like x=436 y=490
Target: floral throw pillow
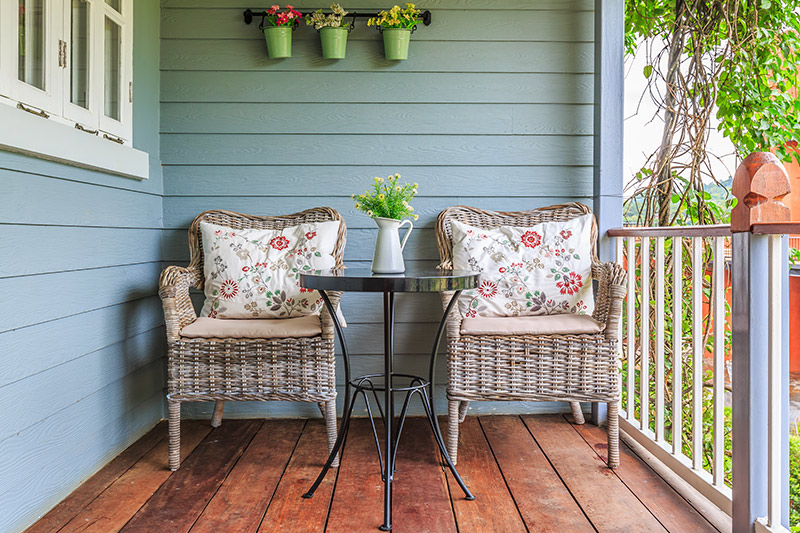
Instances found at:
x=255 y=273
x=542 y=270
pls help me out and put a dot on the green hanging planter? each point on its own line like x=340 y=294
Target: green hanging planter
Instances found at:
x=395 y=43
x=279 y=41
x=334 y=42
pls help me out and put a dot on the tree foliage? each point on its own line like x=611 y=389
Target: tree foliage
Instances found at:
x=725 y=64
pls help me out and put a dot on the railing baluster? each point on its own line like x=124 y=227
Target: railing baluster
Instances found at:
x=677 y=345
x=644 y=313
x=697 y=352
x=659 y=355
x=619 y=246
x=630 y=407
x=718 y=316
x=776 y=289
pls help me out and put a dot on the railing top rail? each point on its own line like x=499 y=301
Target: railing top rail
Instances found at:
x=720 y=230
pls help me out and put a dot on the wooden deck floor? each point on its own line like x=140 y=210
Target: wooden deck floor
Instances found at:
x=529 y=473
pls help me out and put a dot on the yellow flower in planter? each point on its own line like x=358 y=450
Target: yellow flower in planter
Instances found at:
x=387 y=199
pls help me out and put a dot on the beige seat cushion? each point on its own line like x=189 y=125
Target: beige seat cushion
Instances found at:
x=255 y=328
x=532 y=325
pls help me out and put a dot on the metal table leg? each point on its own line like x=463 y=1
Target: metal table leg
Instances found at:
x=432 y=412
x=388 y=356
x=348 y=402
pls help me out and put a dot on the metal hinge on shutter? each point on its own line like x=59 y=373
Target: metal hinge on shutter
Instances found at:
x=32 y=110
x=62 y=53
x=113 y=139
x=86 y=130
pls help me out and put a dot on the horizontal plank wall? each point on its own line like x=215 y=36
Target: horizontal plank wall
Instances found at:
x=81 y=334
x=493 y=108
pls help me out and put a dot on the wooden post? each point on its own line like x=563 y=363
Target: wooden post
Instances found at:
x=609 y=69
x=759 y=185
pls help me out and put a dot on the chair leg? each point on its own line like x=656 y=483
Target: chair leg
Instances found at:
x=577 y=413
x=216 y=418
x=329 y=413
x=452 y=429
x=462 y=410
x=613 y=434
x=174 y=408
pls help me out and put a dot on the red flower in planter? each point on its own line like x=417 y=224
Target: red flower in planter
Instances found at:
x=487 y=289
x=570 y=283
x=228 y=289
x=531 y=239
x=279 y=243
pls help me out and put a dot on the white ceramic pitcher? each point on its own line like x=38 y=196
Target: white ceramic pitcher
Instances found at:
x=388 y=257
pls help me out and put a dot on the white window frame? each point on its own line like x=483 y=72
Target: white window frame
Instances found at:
x=88 y=131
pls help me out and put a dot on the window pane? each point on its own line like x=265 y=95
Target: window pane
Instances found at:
x=112 y=69
x=114 y=4
x=31 y=42
x=79 y=58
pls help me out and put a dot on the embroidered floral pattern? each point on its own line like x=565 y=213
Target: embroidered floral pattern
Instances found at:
x=256 y=273
x=279 y=243
x=545 y=269
x=531 y=239
x=570 y=283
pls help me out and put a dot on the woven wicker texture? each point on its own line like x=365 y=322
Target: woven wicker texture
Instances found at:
x=570 y=368
x=296 y=369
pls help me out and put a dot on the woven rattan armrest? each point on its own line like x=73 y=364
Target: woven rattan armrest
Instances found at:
x=173 y=288
x=611 y=279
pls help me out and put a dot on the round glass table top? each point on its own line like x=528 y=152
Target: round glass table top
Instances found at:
x=412 y=280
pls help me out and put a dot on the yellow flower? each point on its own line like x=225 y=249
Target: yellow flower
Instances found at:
x=398 y=188
x=358 y=205
x=352 y=196
x=397 y=176
x=416 y=217
x=410 y=208
x=378 y=180
x=381 y=196
x=369 y=213
x=415 y=185
x=405 y=204
x=414 y=190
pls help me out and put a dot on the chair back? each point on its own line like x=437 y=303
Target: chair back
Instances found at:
x=493 y=219
x=234 y=220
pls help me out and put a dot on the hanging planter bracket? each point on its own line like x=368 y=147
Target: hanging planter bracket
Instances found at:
x=249 y=14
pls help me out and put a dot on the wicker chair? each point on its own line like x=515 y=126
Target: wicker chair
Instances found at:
x=220 y=369
x=565 y=367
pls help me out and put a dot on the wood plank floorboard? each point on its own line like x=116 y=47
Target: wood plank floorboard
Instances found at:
x=89 y=490
x=545 y=503
x=288 y=511
x=530 y=473
x=421 y=501
x=669 y=507
x=358 y=497
x=112 y=509
x=607 y=502
x=179 y=501
x=240 y=502
x=493 y=508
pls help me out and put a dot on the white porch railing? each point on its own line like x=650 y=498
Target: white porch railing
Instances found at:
x=674 y=350
x=677 y=351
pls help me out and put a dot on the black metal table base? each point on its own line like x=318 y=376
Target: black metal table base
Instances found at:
x=364 y=384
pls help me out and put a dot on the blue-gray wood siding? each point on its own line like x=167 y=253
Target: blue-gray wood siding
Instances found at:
x=493 y=109
x=81 y=333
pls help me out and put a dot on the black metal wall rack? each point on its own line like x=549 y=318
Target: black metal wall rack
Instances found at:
x=249 y=14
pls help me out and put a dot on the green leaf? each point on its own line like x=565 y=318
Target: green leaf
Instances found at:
x=648 y=70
